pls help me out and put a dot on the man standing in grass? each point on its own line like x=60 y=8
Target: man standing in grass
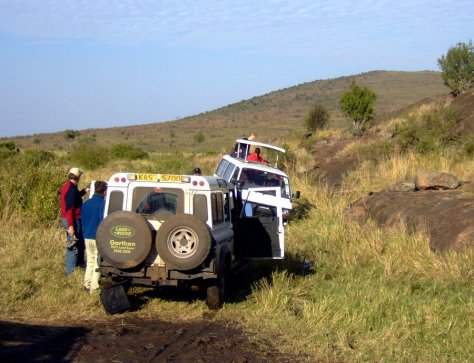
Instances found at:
x=92 y=215
x=71 y=204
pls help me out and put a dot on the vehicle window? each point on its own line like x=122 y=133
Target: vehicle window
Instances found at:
x=217 y=206
x=221 y=167
x=151 y=200
x=200 y=207
x=255 y=177
x=115 y=201
x=236 y=173
x=226 y=207
x=229 y=171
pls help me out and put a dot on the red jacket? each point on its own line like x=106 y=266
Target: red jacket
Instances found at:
x=255 y=157
x=71 y=202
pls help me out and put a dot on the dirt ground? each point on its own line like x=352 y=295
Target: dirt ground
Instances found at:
x=126 y=338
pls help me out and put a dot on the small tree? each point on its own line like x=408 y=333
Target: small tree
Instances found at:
x=198 y=139
x=358 y=104
x=71 y=134
x=317 y=118
x=458 y=67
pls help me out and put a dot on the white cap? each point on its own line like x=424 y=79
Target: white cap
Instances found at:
x=75 y=171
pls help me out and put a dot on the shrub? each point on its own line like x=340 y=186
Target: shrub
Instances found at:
x=317 y=118
x=29 y=184
x=127 y=152
x=430 y=132
x=89 y=156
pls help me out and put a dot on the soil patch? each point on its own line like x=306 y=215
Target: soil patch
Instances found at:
x=132 y=339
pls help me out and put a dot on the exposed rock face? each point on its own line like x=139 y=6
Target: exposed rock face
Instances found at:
x=426 y=179
x=447 y=216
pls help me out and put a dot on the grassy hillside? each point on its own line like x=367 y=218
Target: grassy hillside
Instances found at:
x=271 y=116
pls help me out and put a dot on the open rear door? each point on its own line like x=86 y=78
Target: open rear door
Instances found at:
x=259 y=229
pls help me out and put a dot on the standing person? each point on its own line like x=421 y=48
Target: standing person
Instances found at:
x=197 y=171
x=243 y=151
x=92 y=215
x=71 y=203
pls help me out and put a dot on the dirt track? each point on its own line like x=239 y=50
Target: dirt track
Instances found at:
x=130 y=339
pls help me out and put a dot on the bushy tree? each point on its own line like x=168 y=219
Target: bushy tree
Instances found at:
x=89 y=156
x=71 y=134
x=358 y=104
x=199 y=138
x=458 y=67
x=128 y=152
x=317 y=118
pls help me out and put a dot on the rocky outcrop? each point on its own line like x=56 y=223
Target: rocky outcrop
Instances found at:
x=426 y=179
x=446 y=215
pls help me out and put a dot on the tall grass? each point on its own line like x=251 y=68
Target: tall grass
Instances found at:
x=375 y=295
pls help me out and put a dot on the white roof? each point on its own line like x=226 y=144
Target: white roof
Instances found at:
x=260 y=144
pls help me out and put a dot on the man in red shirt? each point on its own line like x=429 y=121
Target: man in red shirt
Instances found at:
x=255 y=156
x=71 y=203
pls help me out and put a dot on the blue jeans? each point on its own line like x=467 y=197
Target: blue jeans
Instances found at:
x=74 y=254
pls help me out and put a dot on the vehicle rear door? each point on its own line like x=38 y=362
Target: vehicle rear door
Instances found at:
x=259 y=231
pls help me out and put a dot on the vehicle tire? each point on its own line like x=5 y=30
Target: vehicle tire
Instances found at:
x=124 y=239
x=183 y=241
x=217 y=291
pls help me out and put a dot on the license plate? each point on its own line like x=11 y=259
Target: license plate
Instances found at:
x=170 y=178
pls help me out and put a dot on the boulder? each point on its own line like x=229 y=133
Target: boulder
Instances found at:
x=427 y=180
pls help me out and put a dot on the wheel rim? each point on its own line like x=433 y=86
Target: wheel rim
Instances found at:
x=183 y=242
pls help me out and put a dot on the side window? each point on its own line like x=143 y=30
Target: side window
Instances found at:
x=200 y=207
x=236 y=173
x=217 y=205
x=115 y=201
x=229 y=171
x=226 y=207
x=221 y=168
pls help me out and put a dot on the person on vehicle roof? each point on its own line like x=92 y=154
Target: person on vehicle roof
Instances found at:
x=255 y=156
x=244 y=148
x=92 y=215
x=71 y=204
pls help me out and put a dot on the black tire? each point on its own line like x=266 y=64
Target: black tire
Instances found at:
x=183 y=241
x=124 y=239
x=217 y=291
x=214 y=297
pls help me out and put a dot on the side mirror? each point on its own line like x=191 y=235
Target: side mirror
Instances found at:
x=296 y=195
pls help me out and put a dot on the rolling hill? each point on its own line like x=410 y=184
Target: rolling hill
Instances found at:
x=271 y=116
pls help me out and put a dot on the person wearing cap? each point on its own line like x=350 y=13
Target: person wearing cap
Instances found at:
x=71 y=204
x=92 y=214
x=197 y=171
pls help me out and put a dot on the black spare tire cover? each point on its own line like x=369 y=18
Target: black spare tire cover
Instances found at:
x=124 y=239
x=183 y=241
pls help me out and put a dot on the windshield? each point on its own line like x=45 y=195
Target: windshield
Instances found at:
x=261 y=178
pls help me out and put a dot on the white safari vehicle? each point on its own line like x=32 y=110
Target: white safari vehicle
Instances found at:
x=170 y=230
x=256 y=177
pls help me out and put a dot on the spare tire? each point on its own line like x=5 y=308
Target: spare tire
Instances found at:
x=124 y=239
x=183 y=241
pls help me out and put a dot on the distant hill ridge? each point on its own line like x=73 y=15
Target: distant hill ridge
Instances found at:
x=271 y=116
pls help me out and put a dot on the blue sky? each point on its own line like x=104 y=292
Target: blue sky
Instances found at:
x=78 y=64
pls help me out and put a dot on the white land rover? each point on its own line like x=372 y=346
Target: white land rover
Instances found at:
x=254 y=175
x=170 y=230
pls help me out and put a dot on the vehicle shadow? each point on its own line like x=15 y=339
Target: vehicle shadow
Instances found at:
x=38 y=343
